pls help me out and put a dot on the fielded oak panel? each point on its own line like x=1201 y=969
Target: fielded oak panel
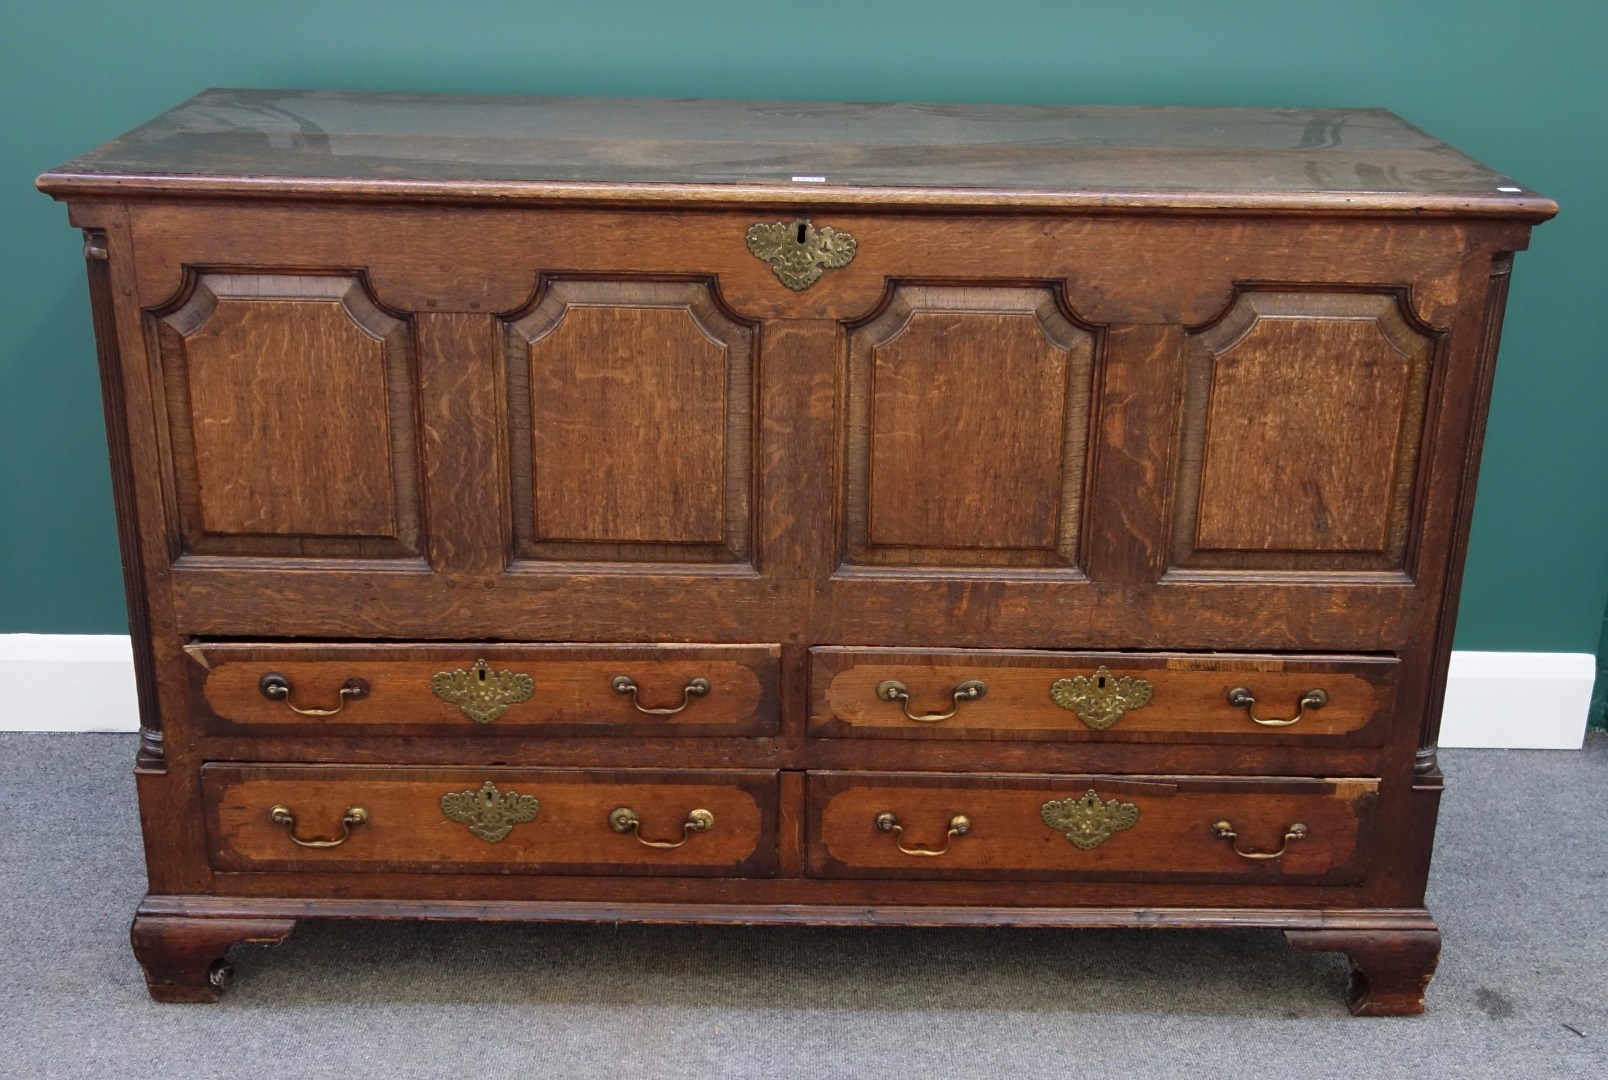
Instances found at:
x=631 y=423
x=967 y=428
x=1303 y=423
x=290 y=408
x=1163 y=424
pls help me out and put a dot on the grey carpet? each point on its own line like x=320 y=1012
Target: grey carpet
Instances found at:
x=1520 y=889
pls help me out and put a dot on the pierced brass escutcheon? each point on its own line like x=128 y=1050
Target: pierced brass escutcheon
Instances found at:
x=275 y=687
x=354 y=816
x=625 y=685
x=623 y=819
x=1101 y=699
x=799 y=252
x=1087 y=822
x=1224 y=830
x=489 y=813
x=888 y=822
x=894 y=690
x=482 y=694
x=1240 y=697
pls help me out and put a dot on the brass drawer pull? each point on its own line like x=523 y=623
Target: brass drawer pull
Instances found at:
x=888 y=822
x=1224 y=830
x=1240 y=697
x=798 y=252
x=894 y=690
x=354 y=816
x=625 y=685
x=1101 y=699
x=275 y=687
x=623 y=819
x=481 y=693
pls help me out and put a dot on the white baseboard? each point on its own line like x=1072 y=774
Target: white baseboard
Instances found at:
x=1517 y=700
x=67 y=682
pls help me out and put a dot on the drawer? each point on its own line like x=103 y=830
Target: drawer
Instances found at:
x=458 y=689
x=1152 y=697
x=557 y=821
x=1128 y=828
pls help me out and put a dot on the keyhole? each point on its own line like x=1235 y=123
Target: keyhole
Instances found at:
x=801 y=227
x=481 y=674
x=1100 y=682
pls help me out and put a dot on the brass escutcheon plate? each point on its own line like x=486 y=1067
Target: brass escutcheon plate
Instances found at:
x=798 y=252
x=1086 y=822
x=489 y=813
x=1101 y=699
x=482 y=694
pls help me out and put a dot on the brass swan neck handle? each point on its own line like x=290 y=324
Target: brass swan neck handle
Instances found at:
x=626 y=686
x=1240 y=697
x=888 y=822
x=275 y=687
x=626 y=820
x=1224 y=830
x=354 y=816
x=894 y=690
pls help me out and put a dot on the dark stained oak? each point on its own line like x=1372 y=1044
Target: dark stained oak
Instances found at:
x=1169 y=839
x=572 y=689
x=967 y=426
x=1390 y=969
x=290 y=405
x=397 y=383
x=1302 y=426
x=625 y=451
x=408 y=828
x=411 y=145
x=1188 y=696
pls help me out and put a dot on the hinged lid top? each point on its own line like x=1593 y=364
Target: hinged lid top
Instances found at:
x=290 y=143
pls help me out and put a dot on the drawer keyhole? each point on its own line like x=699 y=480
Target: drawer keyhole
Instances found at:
x=801 y=228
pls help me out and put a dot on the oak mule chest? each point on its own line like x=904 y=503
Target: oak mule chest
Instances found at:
x=791 y=512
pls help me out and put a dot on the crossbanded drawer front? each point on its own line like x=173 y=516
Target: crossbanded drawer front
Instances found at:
x=1044 y=695
x=1120 y=828
x=470 y=820
x=636 y=690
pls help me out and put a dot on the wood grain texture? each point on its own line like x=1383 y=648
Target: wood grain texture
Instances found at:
x=1302 y=429
x=687 y=152
x=1188 y=696
x=966 y=429
x=570 y=834
x=631 y=424
x=290 y=401
x=1390 y=969
x=1171 y=840
x=1162 y=390
x=184 y=960
x=464 y=458
x=573 y=692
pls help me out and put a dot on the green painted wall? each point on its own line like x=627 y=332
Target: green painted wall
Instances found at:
x=1523 y=88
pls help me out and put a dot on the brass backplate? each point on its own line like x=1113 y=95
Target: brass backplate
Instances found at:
x=482 y=694
x=1101 y=699
x=799 y=252
x=1086 y=822
x=489 y=813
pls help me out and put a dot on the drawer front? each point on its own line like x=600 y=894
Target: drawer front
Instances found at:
x=986 y=694
x=559 y=821
x=887 y=825
x=457 y=689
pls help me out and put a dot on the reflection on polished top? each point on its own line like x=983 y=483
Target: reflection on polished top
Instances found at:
x=413 y=145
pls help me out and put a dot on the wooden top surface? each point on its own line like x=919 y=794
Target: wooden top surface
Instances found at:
x=290 y=143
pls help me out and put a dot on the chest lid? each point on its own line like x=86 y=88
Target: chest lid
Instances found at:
x=356 y=146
